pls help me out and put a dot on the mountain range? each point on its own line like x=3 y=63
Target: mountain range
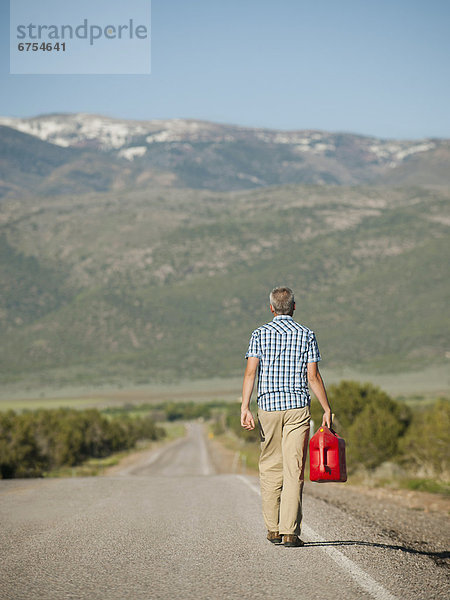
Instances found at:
x=82 y=152
x=118 y=264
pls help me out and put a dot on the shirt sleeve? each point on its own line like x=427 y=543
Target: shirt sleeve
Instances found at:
x=313 y=349
x=254 y=347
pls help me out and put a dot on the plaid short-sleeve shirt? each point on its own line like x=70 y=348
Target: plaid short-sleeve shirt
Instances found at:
x=284 y=347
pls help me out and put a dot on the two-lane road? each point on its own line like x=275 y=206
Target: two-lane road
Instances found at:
x=168 y=527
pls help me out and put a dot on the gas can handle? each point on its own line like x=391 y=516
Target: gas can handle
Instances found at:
x=332 y=421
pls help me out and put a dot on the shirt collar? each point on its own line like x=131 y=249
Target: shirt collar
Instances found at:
x=282 y=318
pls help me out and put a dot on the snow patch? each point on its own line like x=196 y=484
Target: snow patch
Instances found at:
x=133 y=152
x=251 y=178
x=414 y=149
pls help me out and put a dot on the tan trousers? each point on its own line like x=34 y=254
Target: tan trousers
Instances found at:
x=284 y=442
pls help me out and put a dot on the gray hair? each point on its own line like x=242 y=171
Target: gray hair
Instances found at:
x=282 y=300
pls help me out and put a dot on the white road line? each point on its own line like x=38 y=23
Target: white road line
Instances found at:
x=250 y=484
x=364 y=580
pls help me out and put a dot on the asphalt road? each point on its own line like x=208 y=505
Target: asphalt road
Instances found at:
x=168 y=527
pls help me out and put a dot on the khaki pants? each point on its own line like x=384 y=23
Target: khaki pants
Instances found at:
x=284 y=441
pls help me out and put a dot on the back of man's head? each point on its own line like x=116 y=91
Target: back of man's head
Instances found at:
x=282 y=300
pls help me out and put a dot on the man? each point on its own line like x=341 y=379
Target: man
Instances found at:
x=286 y=354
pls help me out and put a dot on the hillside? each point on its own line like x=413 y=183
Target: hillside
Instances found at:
x=29 y=164
x=162 y=283
x=79 y=153
x=26 y=160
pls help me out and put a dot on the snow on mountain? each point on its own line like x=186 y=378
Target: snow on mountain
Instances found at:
x=79 y=129
x=82 y=129
x=130 y=139
x=394 y=153
x=132 y=152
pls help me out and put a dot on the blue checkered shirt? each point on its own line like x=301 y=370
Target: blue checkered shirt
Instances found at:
x=284 y=348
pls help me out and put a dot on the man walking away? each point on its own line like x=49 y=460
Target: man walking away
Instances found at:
x=285 y=355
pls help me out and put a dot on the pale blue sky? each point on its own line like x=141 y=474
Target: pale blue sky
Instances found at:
x=372 y=67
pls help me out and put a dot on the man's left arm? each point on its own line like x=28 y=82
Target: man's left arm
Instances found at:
x=251 y=369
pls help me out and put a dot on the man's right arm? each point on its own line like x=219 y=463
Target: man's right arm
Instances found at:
x=316 y=384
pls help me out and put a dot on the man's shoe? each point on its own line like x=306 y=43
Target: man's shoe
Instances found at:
x=292 y=541
x=274 y=537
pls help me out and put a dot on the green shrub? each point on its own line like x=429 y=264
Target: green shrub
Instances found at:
x=369 y=420
x=20 y=455
x=373 y=436
x=426 y=445
x=187 y=410
x=32 y=443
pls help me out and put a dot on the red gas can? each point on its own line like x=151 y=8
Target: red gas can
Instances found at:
x=327 y=456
